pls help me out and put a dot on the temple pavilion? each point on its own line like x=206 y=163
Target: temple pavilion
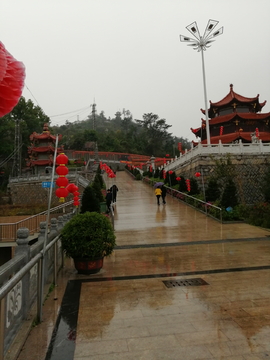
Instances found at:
x=42 y=149
x=235 y=118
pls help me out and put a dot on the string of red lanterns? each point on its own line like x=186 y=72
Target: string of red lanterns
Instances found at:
x=188 y=185
x=62 y=181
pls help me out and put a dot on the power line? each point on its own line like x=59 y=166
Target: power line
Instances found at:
x=87 y=107
x=32 y=94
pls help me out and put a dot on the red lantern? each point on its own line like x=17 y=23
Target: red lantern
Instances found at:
x=164 y=160
x=164 y=174
x=76 y=198
x=76 y=203
x=12 y=75
x=150 y=168
x=62 y=159
x=221 y=130
x=62 y=193
x=76 y=193
x=170 y=172
x=257 y=132
x=178 y=178
x=62 y=182
x=197 y=174
x=167 y=155
x=61 y=170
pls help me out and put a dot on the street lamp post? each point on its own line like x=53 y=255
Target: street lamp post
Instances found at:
x=201 y=43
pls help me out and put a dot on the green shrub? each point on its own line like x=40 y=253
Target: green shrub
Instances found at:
x=88 y=235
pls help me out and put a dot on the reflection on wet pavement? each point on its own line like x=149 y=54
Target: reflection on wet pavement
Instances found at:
x=126 y=312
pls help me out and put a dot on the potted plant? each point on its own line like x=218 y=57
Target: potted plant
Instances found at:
x=88 y=238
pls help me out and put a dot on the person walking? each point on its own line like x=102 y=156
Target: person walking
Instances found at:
x=158 y=193
x=114 y=190
x=163 y=194
x=108 y=199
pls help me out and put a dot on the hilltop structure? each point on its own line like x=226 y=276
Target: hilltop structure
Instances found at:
x=235 y=118
x=42 y=149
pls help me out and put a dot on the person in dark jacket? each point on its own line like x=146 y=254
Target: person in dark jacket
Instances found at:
x=114 y=190
x=163 y=194
x=108 y=199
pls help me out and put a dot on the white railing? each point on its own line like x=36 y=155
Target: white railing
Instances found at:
x=234 y=149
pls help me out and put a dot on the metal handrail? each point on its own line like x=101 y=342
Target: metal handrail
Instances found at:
x=31 y=219
x=204 y=203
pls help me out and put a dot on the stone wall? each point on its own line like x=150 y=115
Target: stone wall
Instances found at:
x=249 y=170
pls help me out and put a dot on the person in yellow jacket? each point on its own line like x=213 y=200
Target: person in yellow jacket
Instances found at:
x=158 y=193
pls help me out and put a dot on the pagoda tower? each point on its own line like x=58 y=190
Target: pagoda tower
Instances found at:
x=235 y=118
x=42 y=149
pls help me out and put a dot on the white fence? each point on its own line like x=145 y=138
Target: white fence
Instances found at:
x=206 y=150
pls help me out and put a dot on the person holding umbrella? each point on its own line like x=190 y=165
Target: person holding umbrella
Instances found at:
x=158 y=193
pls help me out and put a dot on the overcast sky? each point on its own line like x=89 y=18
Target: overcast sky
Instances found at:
x=126 y=54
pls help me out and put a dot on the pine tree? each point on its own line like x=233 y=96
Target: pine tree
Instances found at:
x=212 y=192
x=89 y=201
x=229 y=197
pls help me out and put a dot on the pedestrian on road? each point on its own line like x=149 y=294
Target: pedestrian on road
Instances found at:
x=114 y=190
x=108 y=199
x=158 y=193
x=163 y=194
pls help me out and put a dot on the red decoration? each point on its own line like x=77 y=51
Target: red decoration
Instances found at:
x=62 y=159
x=221 y=130
x=61 y=170
x=164 y=161
x=167 y=155
x=257 y=132
x=197 y=174
x=170 y=172
x=179 y=146
x=188 y=185
x=76 y=203
x=12 y=75
x=178 y=178
x=71 y=188
x=62 y=182
x=164 y=174
x=150 y=168
x=61 y=193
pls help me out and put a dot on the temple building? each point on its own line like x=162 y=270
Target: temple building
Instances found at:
x=235 y=118
x=41 y=151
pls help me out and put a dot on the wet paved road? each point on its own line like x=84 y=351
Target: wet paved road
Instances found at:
x=126 y=311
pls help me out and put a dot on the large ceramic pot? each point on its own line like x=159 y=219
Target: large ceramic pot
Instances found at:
x=88 y=266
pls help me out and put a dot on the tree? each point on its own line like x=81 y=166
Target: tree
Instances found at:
x=212 y=192
x=154 y=133
x=89 y=201
x=31 y=118
x=229 y=196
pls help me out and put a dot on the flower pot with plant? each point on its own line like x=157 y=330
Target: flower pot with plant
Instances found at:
x=88 y=238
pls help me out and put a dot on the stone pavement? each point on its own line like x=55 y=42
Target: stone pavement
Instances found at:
x=127 y=312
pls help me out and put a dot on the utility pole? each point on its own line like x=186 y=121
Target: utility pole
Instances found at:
x=16 y=170
x=94 y=128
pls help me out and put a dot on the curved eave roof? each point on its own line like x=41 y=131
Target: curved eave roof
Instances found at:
x=44 y=136
x=243 y=116
x=234 y=97
x=42 y=149
x=228 y=138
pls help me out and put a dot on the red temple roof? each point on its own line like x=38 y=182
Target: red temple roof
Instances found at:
x=234 y=97
x=45 y=135
x=229 y=117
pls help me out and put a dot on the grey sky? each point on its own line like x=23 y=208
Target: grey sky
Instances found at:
x=127 y=55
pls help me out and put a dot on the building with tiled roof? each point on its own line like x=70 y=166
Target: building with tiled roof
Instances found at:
x=235 y=118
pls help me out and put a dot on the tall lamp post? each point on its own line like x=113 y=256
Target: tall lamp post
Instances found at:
x=201 y=43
